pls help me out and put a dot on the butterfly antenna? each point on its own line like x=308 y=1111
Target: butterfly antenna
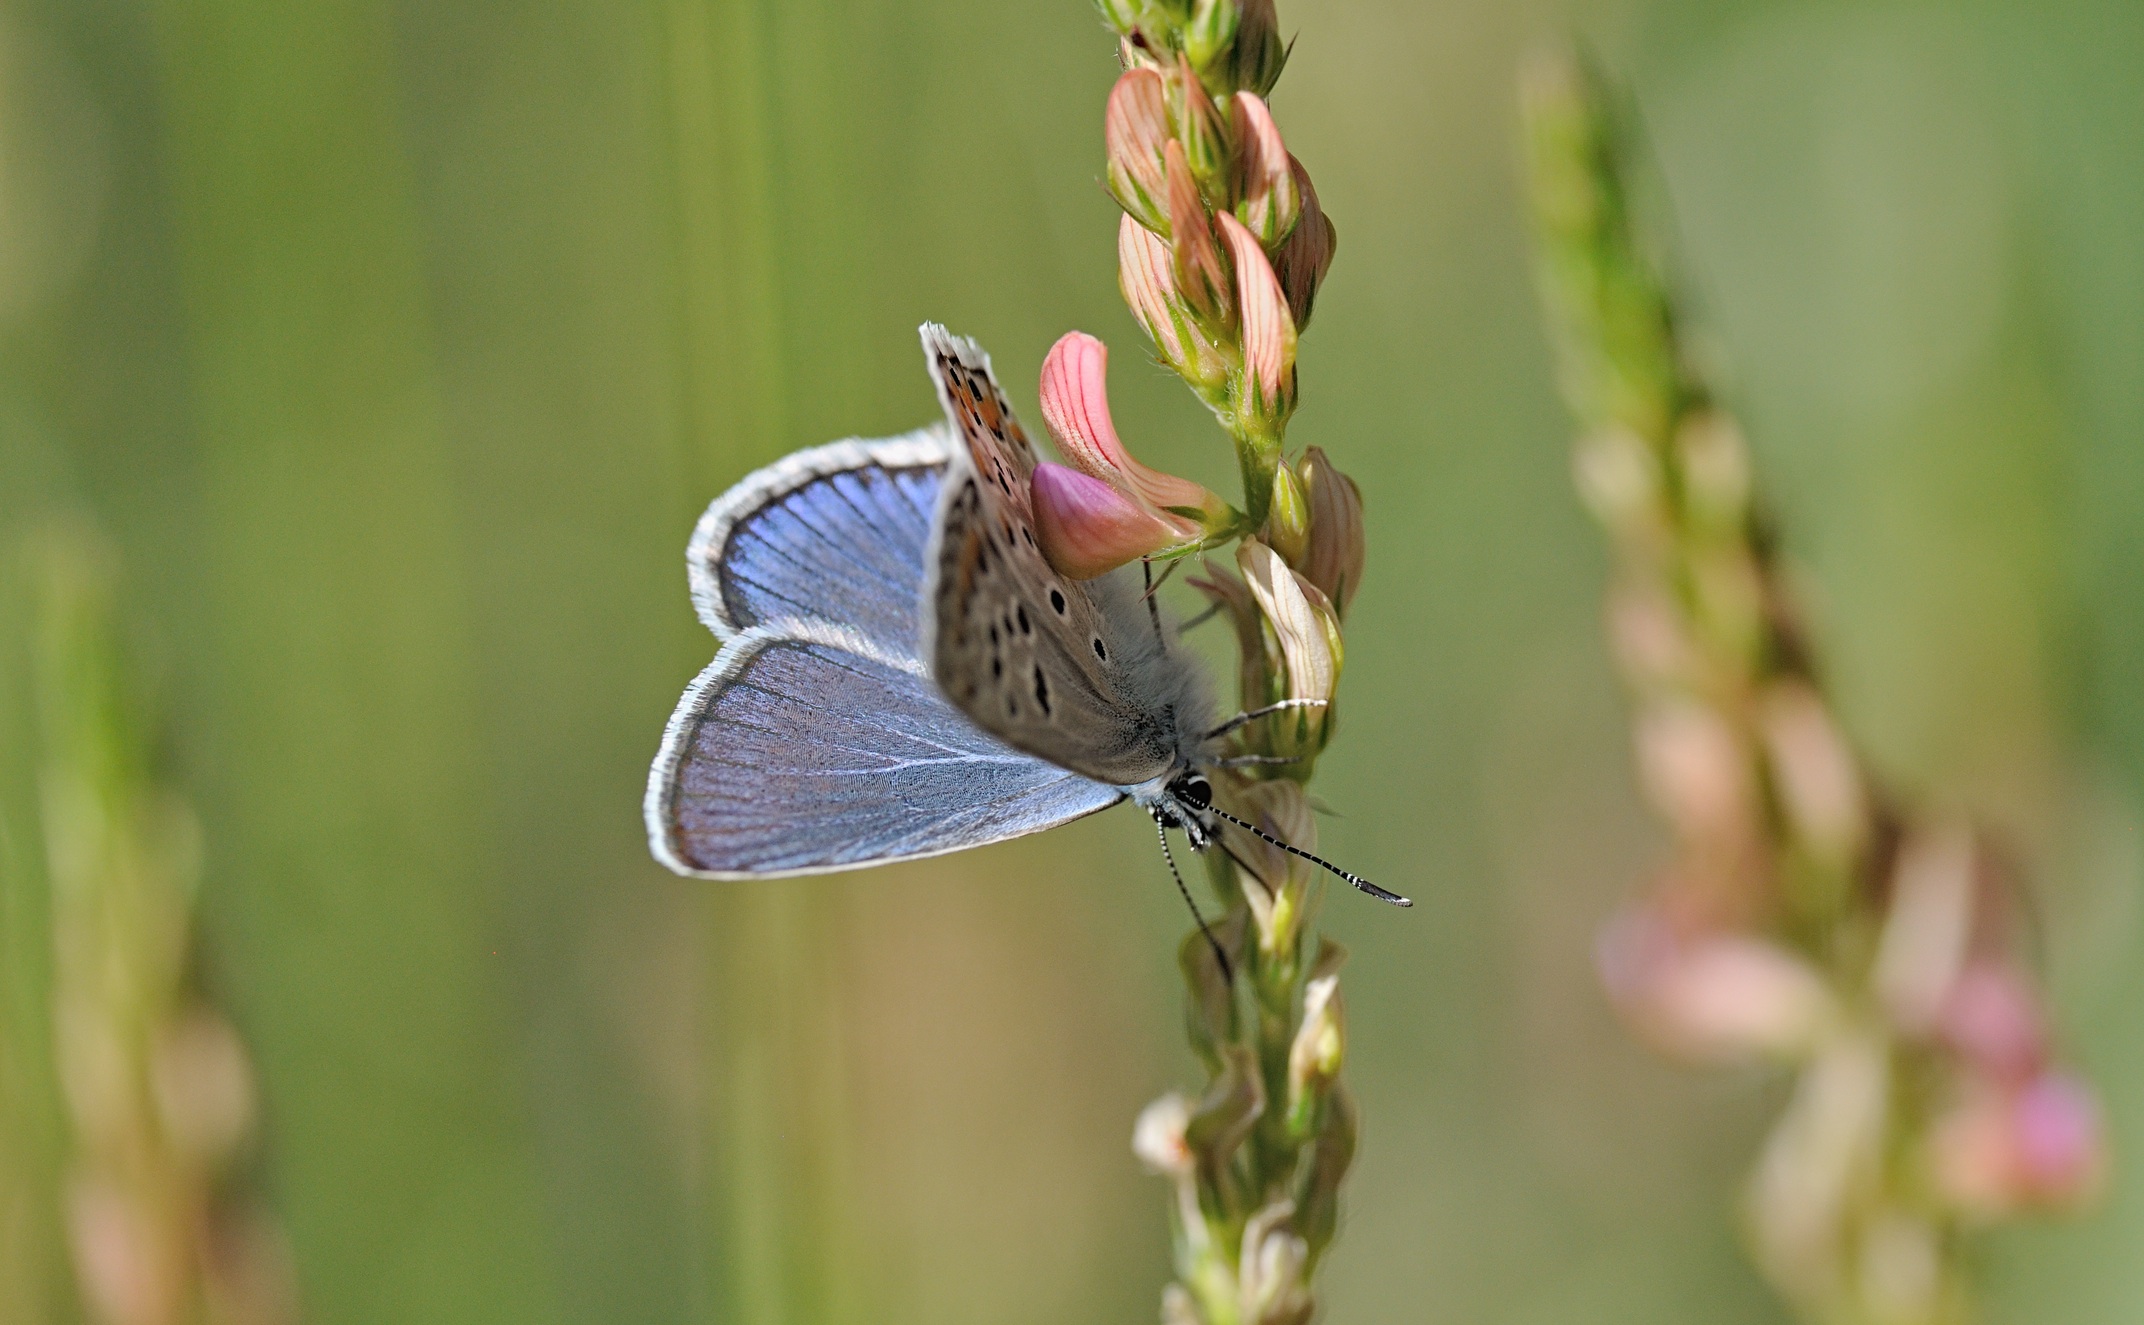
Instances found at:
x=1227 y=972
x=1360 y=883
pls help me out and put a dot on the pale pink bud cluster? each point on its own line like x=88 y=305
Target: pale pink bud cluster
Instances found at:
x=1224 y=242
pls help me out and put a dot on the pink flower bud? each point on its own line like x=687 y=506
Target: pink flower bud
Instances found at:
x=1135 y=129
x=1268 y=326
x=1928 y=928
x=1087 y=528
x=1075 y=405
x=1201 y=275
x=1268 y=200
x=1147 y=274
x=1695 y=768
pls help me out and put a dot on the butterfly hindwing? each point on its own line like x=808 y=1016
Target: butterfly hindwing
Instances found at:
x=816 y=740
x=1028 y=654
x=797 y=755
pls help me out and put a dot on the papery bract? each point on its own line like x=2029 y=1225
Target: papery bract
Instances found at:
x=1307 y=254
x=1335 y=557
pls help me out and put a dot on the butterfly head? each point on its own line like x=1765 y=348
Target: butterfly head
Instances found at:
x=1185 y=800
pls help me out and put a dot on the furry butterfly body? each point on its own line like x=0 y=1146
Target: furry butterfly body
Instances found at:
x=902 y=674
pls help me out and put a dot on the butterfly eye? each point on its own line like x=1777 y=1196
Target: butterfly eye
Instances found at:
x=1196 y=792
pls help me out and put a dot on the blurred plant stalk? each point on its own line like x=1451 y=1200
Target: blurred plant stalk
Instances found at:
x=1222 y=247
x=158 y=1091
x=1808 y=917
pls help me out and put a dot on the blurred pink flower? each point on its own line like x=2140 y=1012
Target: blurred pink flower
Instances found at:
x=2036 y=1146
x=1991 y=1017
x=1714 y=996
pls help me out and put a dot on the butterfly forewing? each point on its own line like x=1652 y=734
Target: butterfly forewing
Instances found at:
x=1025 y=652
x=835 y=533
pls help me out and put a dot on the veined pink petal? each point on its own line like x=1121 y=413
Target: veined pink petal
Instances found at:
x=1088 y=528
x=1075 y=405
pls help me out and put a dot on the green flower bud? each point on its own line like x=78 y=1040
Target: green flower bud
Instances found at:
x=1320 y=1043
x=1318 y=1190
x=1275 y=1269
x=1287 y=528
x=1122 y=15
x=1210 y=1013
x=1211 y=34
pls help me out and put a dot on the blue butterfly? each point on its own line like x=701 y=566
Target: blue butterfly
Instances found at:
x=903 y=675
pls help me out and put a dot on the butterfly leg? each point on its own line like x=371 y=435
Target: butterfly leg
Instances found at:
x=1255 y=714
x=1253 y=761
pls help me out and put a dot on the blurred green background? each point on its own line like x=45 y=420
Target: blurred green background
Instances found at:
x=397 y=345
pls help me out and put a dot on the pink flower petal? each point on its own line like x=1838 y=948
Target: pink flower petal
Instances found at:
x=1088 y=528
x=1075 y=405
